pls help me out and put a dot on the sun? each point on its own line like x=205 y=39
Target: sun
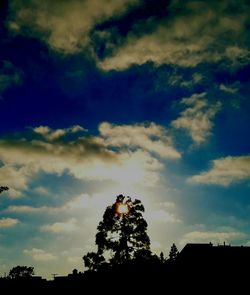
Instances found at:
x=122 y=208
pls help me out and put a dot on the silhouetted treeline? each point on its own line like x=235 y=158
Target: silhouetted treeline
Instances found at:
x=198 y=268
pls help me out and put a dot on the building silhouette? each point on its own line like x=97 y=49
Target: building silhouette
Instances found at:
x=208 y=255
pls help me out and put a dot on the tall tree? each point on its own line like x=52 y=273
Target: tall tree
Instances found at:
x=173 y=253
x=122 y=232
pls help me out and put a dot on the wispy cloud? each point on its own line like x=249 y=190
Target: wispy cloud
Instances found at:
x=15 y=177
x=225 y=171
x=39 y=254
x=178 y=80
x=27 y=209
x=197 y=118
x=8 y=222
x=229 y=88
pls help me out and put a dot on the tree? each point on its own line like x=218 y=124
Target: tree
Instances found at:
x=93 y=261
x=162 y=258
x=19 y=272
x=173 y=253
x=122 y=232
x=3 y=188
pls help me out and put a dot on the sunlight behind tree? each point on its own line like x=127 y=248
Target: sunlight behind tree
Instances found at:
x=122 y=233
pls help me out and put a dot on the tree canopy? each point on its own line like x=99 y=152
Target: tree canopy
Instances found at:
x=122 y=233
x=21 y=272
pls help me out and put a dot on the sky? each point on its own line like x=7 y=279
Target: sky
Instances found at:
x=98 y=98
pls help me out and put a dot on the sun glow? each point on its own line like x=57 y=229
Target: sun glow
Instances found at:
x=122 y=208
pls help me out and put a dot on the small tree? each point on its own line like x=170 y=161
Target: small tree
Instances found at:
x=173 y=253
x=122 y=233
x=21 y=272
x=3 y=188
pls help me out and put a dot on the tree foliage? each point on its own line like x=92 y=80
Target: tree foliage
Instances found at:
x=93 y=260
x=122 y=233
x=21 y=272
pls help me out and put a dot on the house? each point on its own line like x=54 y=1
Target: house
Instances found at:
x=207 y=260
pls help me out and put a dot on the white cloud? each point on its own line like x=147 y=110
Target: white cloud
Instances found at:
x=96 y=202
x=225 y=171
x=81 y=202
x=15 y=178
x=14 y=194
x=161 y=216
x=39 y=254
x=192 y=32
x=237 y=55
x=196 y=119
x=8 y=222
x=211 y=236
x=110 y=155
x=63 y=25
x=61 y=227
x=212 y=33
x=152 y=138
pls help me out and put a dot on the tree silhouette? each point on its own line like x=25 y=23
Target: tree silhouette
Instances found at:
x=3 y=188
x=162 y=258
x=173 y=253
x=122 y=233
x=21 y=272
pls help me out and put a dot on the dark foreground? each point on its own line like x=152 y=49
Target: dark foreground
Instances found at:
x=199 y=269
x=139 y=280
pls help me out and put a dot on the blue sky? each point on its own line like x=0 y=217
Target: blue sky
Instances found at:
x=145 y=98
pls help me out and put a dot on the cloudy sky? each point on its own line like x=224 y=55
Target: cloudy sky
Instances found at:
x=100 y=97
